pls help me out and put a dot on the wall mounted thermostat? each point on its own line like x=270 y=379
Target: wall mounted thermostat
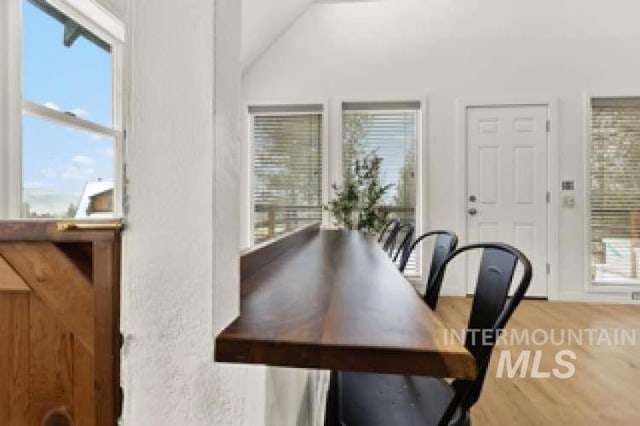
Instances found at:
x=568 y=185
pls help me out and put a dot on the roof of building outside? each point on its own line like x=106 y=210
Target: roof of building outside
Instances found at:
x=91 y=189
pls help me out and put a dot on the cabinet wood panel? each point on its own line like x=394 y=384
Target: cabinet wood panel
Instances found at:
x=59 y=325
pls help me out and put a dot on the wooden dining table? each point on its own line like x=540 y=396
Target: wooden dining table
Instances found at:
x=332 y=299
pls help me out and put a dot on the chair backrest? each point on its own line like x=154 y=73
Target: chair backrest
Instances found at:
x=405 y=236
x=490 y=311
x=390 y=240
x=397 y=238
x=386 y=229
x=444 y=244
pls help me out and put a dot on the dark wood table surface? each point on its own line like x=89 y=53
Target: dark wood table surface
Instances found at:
x=332 y=299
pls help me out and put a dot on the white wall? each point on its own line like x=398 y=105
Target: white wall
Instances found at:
x=263 y=21
x=180 y=281
x=450 y=49
x=180 y=277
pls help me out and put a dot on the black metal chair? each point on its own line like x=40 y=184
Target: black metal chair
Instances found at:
x=390 y=241
x=386 y=229
x=405 y=236
x=445 y=243
x=365 y=399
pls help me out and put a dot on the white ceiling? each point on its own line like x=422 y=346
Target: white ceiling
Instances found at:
x=263 y=21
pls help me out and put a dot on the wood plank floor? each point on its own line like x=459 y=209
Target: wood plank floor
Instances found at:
x=603 y=390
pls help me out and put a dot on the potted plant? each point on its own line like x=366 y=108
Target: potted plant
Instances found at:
x=357 y=203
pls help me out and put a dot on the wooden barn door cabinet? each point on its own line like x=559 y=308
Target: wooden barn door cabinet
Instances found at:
x=59 y=323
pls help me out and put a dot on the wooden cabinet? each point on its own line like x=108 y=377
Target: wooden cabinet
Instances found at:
x=59 y=324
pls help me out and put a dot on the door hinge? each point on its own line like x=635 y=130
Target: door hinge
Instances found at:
x=548 y=126
x=548 y=268
x=548 y=197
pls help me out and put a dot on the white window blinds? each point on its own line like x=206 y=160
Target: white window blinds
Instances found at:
x=390 y=129
x=615 y=191
x=287 y=168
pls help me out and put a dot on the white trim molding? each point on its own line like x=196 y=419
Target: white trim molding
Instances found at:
x=94 y=17
x=10 y=110
x=56 y=116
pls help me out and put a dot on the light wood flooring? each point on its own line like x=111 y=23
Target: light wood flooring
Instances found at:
x=605 y=389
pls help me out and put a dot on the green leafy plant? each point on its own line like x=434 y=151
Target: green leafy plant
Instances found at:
x=357 y=203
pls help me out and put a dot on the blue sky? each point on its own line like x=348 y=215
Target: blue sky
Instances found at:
x=58 y=160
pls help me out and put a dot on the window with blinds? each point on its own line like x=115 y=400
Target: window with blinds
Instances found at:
x=615 y=191
x=287 y=169
x=391 y=130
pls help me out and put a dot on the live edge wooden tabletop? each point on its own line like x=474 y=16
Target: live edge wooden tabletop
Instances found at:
x=332 y=299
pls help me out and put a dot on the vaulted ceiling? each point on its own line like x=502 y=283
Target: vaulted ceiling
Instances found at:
x=263 y=21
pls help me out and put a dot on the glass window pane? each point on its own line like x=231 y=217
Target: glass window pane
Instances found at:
x=392 y=135
x=66 y=172
x=74 y=78
x=287 y=163
x=615 y=191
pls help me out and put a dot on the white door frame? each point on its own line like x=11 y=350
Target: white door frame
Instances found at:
x=553 y=182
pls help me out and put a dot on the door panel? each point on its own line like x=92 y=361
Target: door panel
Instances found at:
x=507 y=184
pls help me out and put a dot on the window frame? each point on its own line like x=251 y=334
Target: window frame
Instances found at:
x=332 y=166
x=591 y=286
x=108 y=28
x=247 y=204
x=422 y=187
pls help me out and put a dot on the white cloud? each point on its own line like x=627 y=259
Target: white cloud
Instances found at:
x=51 y=105
x=83 y=160
x=78 y=173
x=79 y=112
x=109 y=152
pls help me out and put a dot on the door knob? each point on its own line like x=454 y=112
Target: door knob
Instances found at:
x=472 y=211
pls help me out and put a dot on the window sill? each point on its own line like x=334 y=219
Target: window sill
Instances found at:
x=612 y=287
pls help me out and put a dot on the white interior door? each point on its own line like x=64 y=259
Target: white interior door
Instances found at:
x=507 y=184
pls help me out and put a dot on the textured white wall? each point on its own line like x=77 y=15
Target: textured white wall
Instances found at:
x=180 y=281
x=450 y=49
x=180 y=250
x=241 y=390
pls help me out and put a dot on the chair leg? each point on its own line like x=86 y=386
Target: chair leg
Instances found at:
x=331 y=417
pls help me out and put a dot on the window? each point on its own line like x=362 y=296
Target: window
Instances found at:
x=71 y=131
x=287 y=169
x=615 y=191
x=390 y=130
